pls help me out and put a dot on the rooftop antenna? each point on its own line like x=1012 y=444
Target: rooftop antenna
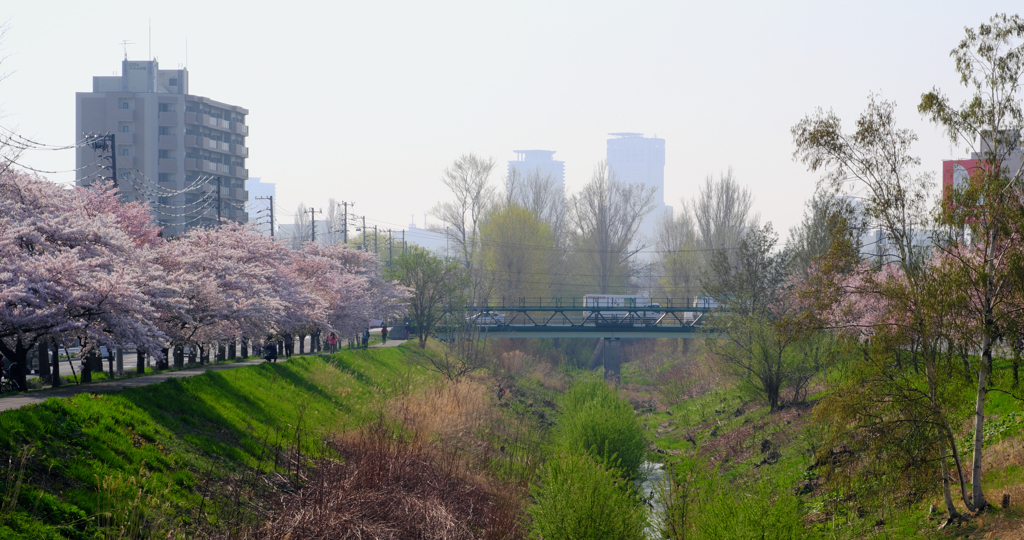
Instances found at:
x=125 y=45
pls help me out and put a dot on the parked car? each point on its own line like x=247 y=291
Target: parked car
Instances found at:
x=486 y=319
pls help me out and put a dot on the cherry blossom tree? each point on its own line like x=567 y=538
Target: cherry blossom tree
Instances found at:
x=66 y=267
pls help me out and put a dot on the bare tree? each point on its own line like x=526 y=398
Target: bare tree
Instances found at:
x=467 y=179
x=10 y=146
x=302 y=231
x=462 y=355
x=607 y=215
x=722 y=214
x=678 y=261
x=333 y=232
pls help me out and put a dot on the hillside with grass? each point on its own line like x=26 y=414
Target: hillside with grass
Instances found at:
x=739 y=469
x=251 y=451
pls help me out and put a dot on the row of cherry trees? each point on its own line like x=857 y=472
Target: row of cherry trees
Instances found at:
x=79 y=263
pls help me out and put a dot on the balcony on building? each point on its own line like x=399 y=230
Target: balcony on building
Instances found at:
x=167 y=165
x=167 y=142
x=167 y=119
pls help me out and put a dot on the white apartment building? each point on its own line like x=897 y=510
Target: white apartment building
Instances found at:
x=172 y=149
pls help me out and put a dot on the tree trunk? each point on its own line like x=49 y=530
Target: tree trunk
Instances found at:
x=979 y=422
x=951 y=440
x=167 y=356
x=302 y=345
x=140 y=361
x=44 y=362
x=946 y=495
x=88 y=362
x=55 y=381
x=245 y=348
x=192 y=354
x=221 y=351
x=231 y=349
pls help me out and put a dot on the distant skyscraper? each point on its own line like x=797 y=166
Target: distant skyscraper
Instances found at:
x=259 y=209
x=171 y=147
x=530 y=161
x=634 y=158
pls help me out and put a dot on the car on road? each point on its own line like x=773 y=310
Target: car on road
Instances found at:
x=486 y=319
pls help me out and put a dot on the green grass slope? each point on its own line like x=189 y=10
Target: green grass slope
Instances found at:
x=166 y=458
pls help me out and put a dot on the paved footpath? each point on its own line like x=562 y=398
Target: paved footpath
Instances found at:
x=20 y=400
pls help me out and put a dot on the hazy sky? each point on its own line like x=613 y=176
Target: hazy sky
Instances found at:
x=369 y=101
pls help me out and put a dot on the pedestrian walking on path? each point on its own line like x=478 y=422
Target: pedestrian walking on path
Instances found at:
x=407 y=328
x=384 y=334
x=289 y=345
x=366 y=337
x=332 y=340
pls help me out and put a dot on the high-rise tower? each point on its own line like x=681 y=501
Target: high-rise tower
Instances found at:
x=634 y=158
x=542 y=161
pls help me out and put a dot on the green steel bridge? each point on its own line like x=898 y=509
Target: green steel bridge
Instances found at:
x=570 y=318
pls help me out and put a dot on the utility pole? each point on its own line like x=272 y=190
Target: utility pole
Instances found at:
x=403 y=241
x=374 y=239
x=389 y=248
x=344 y=231
x=271 y=199
x=364 y=233
x=312 y=222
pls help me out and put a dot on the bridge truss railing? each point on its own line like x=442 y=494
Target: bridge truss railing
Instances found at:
x=572 y=312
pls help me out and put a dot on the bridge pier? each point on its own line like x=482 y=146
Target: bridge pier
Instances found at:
x=612 y=358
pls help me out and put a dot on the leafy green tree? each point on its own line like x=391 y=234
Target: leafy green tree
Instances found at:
x=890 y=304
x=678 y=256
x=437 y=283
x=516 y=250
x=752 y=336
x=984 y=219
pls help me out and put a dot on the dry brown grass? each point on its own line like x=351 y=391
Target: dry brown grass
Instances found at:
x=390 y=486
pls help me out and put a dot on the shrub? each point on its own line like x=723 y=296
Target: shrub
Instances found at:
x=579 y=498
x=597 y=421
x=700 y=505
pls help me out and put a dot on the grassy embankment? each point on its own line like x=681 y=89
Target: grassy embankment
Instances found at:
x=754 y=451
x=189 y=454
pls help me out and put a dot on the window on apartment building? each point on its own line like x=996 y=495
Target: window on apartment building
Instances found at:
x=173 y=81
x=124 y=129
x=165 y=154
x=165 y=130
x=164 y=178
x=124 y=152
x=124 y=105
